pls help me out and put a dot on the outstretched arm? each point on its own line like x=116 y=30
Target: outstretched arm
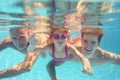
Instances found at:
x=83 y=59
x=109 y=56
x=5 y=43
x=24 y=66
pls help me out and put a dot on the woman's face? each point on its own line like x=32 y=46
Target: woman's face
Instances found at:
x=20 y=39
x=60 y=38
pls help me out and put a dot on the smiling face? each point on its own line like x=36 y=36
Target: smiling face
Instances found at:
x=89 y=43
x=20 y=38
x=60 y=37
x=90 y=39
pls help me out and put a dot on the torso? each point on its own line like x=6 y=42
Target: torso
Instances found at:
x=98 y=58
x=59 y=56
x=95 y=59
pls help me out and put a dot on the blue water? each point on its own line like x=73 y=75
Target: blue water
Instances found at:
x=69 y=70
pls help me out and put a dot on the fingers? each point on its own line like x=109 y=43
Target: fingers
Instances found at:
x=89 y=71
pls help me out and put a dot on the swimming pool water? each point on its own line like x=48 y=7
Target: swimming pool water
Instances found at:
x=69 y=70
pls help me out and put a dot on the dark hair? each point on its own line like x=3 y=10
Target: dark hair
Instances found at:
x=95 y=31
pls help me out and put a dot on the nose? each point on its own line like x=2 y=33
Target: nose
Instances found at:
x=20 y=41
x=88 y=45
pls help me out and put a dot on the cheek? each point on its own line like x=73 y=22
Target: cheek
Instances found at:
x=15 y=43
x=83 y=44
x=95 y=46
x=25 y=41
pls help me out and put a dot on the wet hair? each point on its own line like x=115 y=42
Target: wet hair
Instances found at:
x=66 y=30
x=18 y=28
x=94 y=31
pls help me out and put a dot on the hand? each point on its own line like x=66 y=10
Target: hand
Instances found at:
x=38 y=40
x=33 y=41
x=87 y=70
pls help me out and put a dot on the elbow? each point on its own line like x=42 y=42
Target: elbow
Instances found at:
x=27 y=68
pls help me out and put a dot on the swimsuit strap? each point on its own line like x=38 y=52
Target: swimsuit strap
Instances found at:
x=59 y=59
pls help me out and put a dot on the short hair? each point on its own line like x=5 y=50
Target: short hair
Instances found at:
x=95 y=31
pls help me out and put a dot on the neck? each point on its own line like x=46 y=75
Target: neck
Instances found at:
x=89 y=54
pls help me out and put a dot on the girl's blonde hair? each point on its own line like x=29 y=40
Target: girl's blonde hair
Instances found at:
x=66 y=30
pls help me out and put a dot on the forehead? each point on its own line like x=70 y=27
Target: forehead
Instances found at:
x=90 y=37
x=59 y=31
x=18 y=32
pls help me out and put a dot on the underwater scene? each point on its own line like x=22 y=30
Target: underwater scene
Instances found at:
x=35 y=34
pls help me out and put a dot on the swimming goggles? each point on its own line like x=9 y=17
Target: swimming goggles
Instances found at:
x=58 y=36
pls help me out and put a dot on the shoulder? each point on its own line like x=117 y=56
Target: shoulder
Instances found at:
x=76 y=42
x=71 y=47
x=102 y=52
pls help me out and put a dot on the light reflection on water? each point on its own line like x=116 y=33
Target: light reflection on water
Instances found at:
x=13 y=14
x=27 y=12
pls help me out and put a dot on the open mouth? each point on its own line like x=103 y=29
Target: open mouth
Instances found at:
x=60 y=42
x=87 y=49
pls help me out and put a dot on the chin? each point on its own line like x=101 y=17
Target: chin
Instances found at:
x=88 y=52
x=60 y=45
x=20 y=48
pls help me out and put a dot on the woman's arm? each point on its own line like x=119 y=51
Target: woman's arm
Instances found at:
x=7 y=42
x=20 y=68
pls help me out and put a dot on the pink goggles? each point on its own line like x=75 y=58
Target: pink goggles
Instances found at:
x=62 y=36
